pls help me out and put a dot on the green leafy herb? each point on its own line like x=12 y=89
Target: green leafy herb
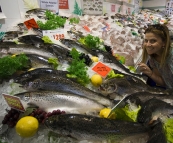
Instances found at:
x=54 y=21
x=169 y=129
x=77 y=68
x=53 y=61
x=92 y=42
x=127 y=113
x=74 y=20
x=112 y=74
x=132 y=68
x=9 y=65
x=46 y=39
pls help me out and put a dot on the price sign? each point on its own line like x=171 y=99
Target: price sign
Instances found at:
x=63 y=4
x=101 y=69
x=31 y=23
x=14 y=102
x=54 y=34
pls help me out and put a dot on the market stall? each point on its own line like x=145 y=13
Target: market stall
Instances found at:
x=69 y=73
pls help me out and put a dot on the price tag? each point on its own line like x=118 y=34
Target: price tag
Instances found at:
x=14 y=102
x=101 y=69
x=63 y=4
x=54 y=34
x=31 y=23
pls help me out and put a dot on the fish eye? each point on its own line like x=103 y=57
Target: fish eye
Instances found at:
x=35 y=84
x=26 y=98
x=111 y=88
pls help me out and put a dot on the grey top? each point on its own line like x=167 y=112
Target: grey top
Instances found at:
x=166 y=71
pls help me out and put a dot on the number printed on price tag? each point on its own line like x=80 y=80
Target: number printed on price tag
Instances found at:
x=54 y=34
x=58 y=36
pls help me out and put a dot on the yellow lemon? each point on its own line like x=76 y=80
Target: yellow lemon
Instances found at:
x=96 y=80
x=95 y=59
x=27 y=126
x=105 y=112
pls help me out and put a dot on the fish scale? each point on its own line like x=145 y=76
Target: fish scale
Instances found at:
x=84 y=127
x=50 y=100
x=58 y=83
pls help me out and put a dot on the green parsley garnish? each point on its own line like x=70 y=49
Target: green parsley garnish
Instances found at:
x=77 y=68
x=10 y=64
x=54 y=21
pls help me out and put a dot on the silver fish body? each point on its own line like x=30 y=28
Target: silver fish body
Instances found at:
x=31 y=39
x=74 y=44
x=84 y=127
x=62 y=53
x=10 y=35
x=38 y=72
x=26 y=49
x=58 y=83
x=39 y=12
x=50 y=100
x=37 y=61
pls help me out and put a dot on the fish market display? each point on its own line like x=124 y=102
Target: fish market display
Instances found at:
x=52 y=92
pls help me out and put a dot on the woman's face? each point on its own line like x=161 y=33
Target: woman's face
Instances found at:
x=153 y=44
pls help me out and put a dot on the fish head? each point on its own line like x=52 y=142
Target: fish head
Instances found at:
x=31 y=85
x=107 y=88
x=23 y=77
x=115 y=85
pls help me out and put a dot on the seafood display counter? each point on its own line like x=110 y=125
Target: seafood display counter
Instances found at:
x=75 y=79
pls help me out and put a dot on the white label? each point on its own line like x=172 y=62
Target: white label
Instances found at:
x=52 y=5
x=54 y=34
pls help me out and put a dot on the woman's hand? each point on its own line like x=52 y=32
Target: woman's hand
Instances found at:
x=145 y=69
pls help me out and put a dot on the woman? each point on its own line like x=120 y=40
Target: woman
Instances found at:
x=158 y=52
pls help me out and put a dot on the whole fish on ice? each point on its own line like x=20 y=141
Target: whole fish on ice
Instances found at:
x=35 y=73
x=25 y=49
x=84 y=127
x=58 y=83
x=53 y=100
